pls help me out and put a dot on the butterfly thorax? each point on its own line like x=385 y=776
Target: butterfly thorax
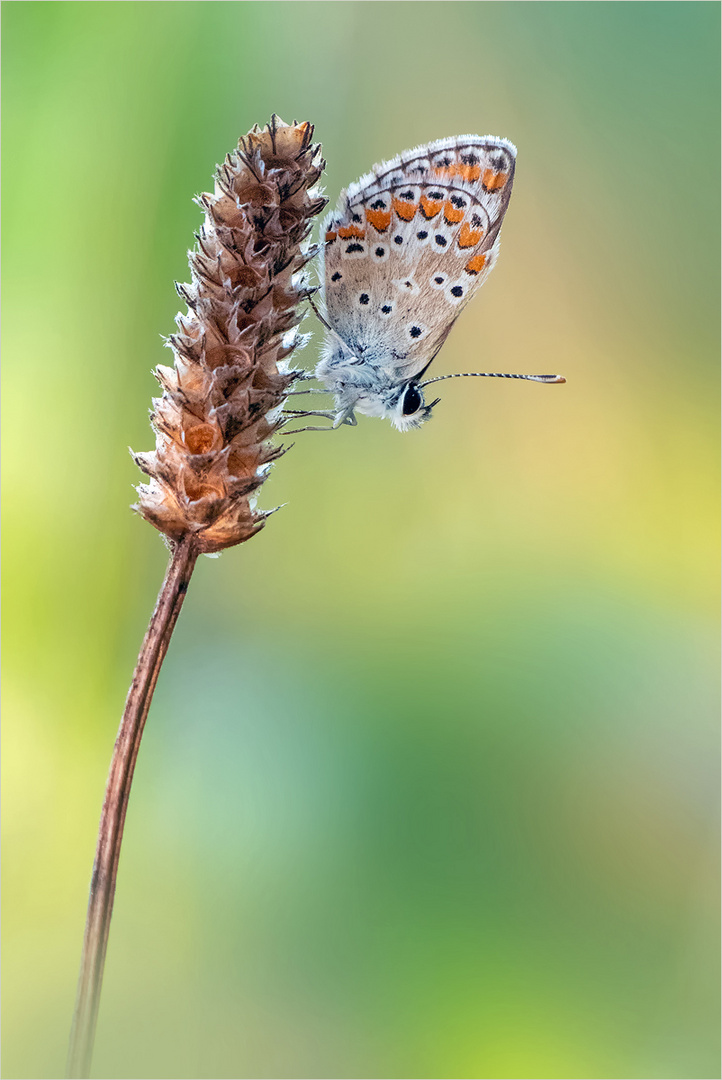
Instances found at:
x=364 y=383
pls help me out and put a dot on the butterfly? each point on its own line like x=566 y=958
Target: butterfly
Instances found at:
x=406 y=249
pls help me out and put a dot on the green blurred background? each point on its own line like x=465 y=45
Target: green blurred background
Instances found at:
x=428 y=787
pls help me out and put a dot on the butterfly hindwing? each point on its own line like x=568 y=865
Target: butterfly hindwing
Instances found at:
x=411 y=243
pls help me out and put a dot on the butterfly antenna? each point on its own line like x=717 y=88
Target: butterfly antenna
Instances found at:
x=496 y=375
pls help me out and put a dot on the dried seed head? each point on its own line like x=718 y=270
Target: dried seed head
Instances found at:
x=222 y=398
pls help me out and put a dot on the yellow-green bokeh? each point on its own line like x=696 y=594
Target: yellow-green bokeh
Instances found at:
x=428 y=787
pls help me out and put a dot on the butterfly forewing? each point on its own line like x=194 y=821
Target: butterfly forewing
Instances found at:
x=411 y=243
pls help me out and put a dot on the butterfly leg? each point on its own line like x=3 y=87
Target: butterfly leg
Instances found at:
x=346 y=416
x=327 y=414
x=311 y=390
x=295 y=431
x=339 y=419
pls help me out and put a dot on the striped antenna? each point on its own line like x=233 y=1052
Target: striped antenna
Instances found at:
x=496 y=375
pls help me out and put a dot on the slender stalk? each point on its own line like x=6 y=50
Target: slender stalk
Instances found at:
x=221 y=404
x=112 y=819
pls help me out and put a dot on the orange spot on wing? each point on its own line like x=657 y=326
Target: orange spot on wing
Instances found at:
x=476 y=265
x=351 y=231
x=405 y=209
x=452 y=213
x=469 y=237
x=330 y=236
x=494 y=181
x=380 y=219
x=469 y=172
x=466 y=172
x=430 y=207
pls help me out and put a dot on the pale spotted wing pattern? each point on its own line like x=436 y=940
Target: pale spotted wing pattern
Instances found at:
x=410 y=244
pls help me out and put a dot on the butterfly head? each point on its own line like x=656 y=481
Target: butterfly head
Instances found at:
x=409 y=410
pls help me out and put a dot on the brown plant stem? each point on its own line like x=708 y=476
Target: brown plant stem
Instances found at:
x=112 y=819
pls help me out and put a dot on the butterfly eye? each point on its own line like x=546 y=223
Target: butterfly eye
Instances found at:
x=412 y=400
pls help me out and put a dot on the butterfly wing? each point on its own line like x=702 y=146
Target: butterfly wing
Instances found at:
x=410 y=244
